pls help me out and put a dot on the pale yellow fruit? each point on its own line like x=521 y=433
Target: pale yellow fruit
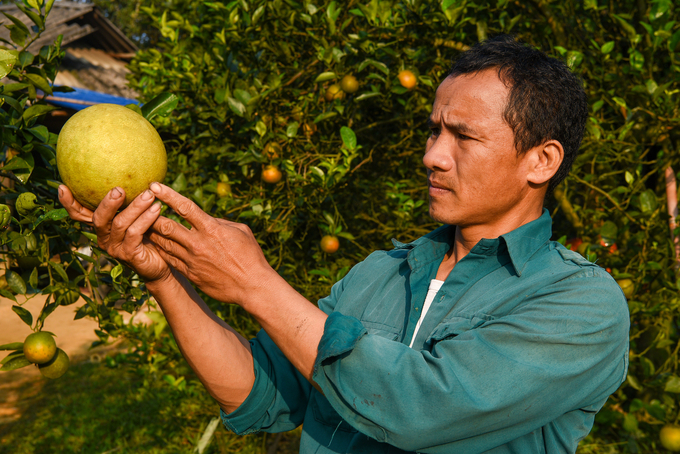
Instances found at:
x=107 y=145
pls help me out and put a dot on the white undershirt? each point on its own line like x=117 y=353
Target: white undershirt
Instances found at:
x=435 y=285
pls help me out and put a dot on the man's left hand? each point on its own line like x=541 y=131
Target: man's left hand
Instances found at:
x=221 y=257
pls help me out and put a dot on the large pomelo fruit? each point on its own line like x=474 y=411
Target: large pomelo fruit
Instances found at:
x=107 y=145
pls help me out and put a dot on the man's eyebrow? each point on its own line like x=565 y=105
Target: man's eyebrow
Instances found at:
x=455 y=126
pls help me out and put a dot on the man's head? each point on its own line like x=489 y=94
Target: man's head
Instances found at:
x=506 y=125
x=546 y=100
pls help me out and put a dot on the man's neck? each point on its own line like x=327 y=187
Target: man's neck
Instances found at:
x=467 y=237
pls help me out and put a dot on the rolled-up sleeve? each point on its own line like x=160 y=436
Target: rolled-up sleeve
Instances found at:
x=278 y=399
x=477 y=387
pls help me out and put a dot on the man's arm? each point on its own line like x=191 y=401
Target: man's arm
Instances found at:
x=225 y=261
x=220 y=357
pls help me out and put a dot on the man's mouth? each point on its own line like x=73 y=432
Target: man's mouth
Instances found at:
x=436 y=185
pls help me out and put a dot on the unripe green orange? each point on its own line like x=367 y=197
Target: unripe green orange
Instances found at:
x=349 y=84
x=334 y=92
x=57 y=366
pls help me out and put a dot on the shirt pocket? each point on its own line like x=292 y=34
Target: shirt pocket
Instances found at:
x=380 y=329
x=325 y=414
x=456 y=326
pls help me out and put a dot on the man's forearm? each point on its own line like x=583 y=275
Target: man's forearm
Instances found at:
x=291 y=321
x=220 y=356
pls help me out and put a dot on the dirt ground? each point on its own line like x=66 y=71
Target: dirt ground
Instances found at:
x=75 y=337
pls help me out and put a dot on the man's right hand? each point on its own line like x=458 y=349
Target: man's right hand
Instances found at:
x=122 y=235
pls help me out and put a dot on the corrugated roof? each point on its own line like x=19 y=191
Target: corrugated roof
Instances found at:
x=74 y=21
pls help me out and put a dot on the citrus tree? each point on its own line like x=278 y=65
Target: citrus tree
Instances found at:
x=307 y=121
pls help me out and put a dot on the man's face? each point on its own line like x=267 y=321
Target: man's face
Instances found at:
x=475 y=176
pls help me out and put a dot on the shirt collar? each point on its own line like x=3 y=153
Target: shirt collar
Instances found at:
x=522 y=243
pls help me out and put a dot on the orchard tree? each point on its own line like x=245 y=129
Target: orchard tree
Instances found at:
x=307 y=120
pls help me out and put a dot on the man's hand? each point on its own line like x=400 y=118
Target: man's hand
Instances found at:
x=122 y=235
x=221 y=257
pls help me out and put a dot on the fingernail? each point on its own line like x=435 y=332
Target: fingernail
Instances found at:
x=155 y=187
x=61 y=191
x=116 y=193
x=146 y=195
x=155 y=208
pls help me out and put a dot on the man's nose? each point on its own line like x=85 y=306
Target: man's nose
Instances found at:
x=439 y=154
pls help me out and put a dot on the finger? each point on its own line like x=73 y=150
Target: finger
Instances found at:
x=134 y=234
x=174 y=262
x=125 y=219
x=75 y=210
x=182 y=206
x=167 y=228
x=106 y=211
x=167 y=245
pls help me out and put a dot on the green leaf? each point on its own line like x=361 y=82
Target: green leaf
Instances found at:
x=135 y=108
x=659 y=8
x=629 y=29
x=60 y=270
x=180 y=183
x=15 y=363
x=648 y=201
x=7 y=62
x=236 y=106
x=349 y=139
x=21 y=166
x=37 y=110
x=323 y=77
x=17 y=22
x=292 y=129
x=16 y=282
x=23 y=314
x=116 y=272
x=12 y=346
x=609 y=230
x=162 y=105
x=574 y=59
x=41 y=83
x=673 y=384
x=17 y=35
x=52 y=215
x=607 y=47
x=324 y=116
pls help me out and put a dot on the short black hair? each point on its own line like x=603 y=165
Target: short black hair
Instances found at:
x=546 y=100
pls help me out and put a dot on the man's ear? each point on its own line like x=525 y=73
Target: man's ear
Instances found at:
x=545 y=160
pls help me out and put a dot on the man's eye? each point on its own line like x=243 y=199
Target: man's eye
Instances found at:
x=464 y=137
x=435 y=131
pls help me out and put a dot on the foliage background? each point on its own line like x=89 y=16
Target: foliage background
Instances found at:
x=252 y=76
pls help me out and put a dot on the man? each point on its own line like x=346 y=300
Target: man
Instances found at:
x=482 y=336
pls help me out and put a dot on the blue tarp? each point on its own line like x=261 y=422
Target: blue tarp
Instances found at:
x=82 y=98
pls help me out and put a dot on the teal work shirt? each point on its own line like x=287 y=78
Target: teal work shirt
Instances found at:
x=520 y=349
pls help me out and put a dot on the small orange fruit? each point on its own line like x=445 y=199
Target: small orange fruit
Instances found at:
x=407 y=79
x=330 y=244
x=271 y=174
x=39 y=348
x=334 y=92
x=349 y=84
x=223 y=189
